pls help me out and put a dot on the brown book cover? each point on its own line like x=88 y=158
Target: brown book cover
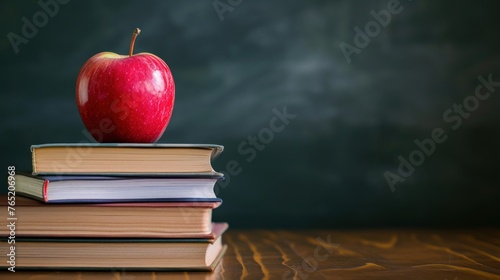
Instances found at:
x=115 y=253
x=110 y=220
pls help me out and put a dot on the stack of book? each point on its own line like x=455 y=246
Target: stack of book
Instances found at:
x=116 y=206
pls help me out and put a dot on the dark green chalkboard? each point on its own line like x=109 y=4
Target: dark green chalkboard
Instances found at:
x=314 y=101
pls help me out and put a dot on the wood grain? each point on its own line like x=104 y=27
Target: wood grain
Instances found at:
x=335 y=254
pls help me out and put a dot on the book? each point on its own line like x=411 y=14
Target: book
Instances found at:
x=117 y=220
x=100 y=189
x=132 y=254
x=123 y=158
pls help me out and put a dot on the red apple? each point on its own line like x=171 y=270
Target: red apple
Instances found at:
x=125 y=98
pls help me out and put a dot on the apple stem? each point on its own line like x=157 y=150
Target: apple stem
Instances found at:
x=137 y=31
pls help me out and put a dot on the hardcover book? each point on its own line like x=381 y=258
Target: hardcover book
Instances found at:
x=133 y=253
x=115 y=220
x=120 y=158
x=101 y=189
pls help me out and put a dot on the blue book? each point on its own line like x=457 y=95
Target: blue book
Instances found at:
x=107 y=189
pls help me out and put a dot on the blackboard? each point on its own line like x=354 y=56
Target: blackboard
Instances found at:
x=380 y=120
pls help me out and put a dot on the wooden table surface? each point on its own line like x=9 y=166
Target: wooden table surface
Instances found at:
x=335 y=254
